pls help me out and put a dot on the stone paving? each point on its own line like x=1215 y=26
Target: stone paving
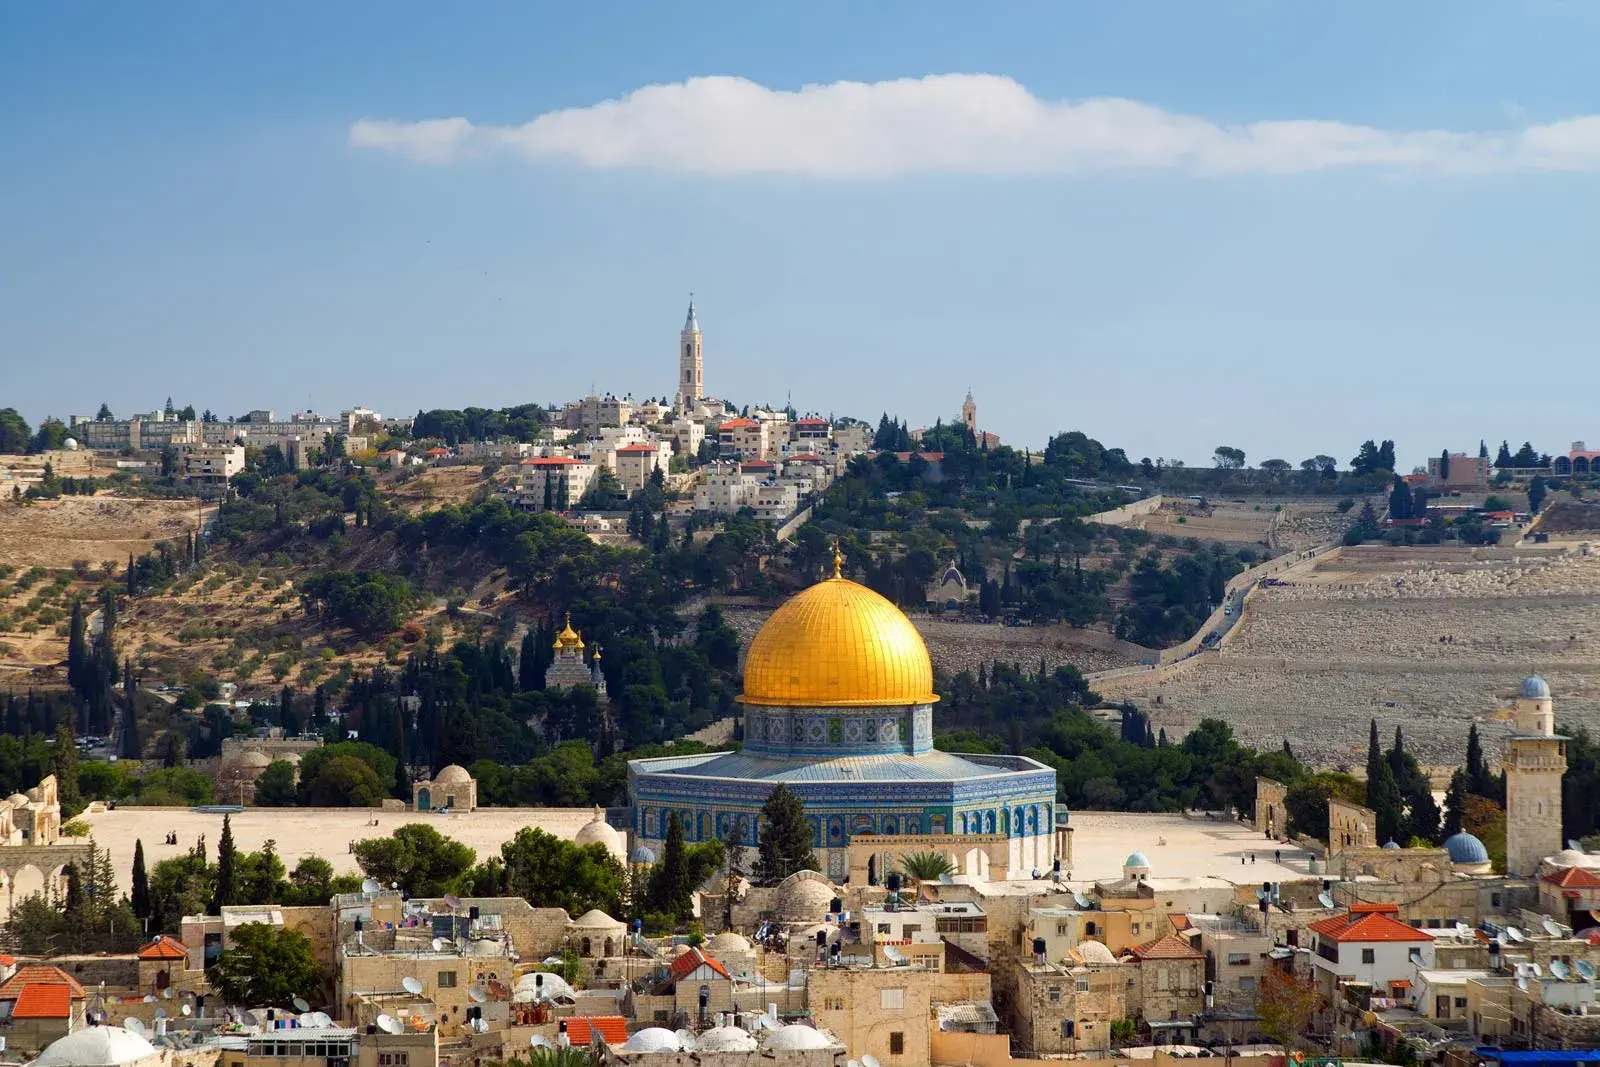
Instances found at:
x=1431 y=645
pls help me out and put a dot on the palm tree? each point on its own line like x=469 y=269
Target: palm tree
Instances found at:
x=925 y=866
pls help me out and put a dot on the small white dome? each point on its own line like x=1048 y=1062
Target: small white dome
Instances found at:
x=542 y=985
x=455 y=774
x=70 y=444
x=595 y=919
x=1095 y=952
x=725 y=1039
x=804 y=897
x=728 y=941
x=797 y=1038
x=652 y=1039
x=1569 y=857
x=598 y=832
x=96 y=1046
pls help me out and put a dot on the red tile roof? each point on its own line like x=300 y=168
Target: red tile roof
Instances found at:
x=811 y=422
x=931 y=457
x=1367 y=923
x=43 y=1000
x=40 y=973
x=1573 y=878
x=1171 y=947
x=438 y=452
x=637 y=448
x=7 y=961
x=686 y=964
x=164 y=948
x=552 y=461
x=806 y=457
x=612 y=1029
x=737 y=424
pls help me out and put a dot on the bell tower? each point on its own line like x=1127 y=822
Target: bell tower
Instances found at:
x=1535 y=759
x=969 y=414
x=691 y=362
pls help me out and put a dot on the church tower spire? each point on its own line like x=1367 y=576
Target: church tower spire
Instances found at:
x=969 y=414
x=691 y=362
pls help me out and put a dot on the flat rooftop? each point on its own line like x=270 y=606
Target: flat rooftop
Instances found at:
x=1177 y=847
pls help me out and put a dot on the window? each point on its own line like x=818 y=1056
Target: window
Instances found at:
x=1080 y=985
x=833 y=1003
x=1238 y=959
x=883 y=928
x=1061 y=929
x=1461 y=1002
x=1069 y=1028
x=1055 y=995
x=1247 y=984
x=897 y=1043
x=394 y=1059
x=1088 y=929
x=892 y=999
x=447 y=980
x=1369 y=955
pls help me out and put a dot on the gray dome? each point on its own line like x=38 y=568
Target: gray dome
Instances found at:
x=1391 y=843
x=1535 y=688
x=1464 y=848
x=642 y=855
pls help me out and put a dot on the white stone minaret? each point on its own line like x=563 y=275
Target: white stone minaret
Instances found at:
x=691 y=363
x=969 y=414
x=1535 y=760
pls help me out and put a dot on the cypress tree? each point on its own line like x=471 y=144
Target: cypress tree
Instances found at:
x=225 y=867
x=65 y=761
x=785 y=842
x=319 y=707
x=1455 y=803
x=140 y=898
x=528 y=660
x=670 y=886
x=133 y=588
x=286 y=716
x=1383 y=794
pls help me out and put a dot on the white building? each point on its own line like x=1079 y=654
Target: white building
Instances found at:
x=1371 y=946
x=688 y=434
x=635 y=463
x=726 y=489
x=553 y=483
x=213 y=464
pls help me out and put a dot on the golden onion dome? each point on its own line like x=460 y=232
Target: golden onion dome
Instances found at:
x=568 y=637
x=838 y=644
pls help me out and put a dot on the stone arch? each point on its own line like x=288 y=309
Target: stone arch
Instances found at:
x=611 y=948
x=586 y=948
x=1580 y=464
x=705 y=826
x=1562 y=465
x=891 y=825
x=988 y=821
x=28 y=880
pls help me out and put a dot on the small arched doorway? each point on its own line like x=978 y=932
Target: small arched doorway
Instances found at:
x=424 y=800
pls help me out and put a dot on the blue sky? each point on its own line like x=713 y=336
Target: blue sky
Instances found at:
x=1266 y=244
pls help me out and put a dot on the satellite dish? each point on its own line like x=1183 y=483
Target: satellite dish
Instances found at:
x=440 y=944
x=1538 y=971
x=685 y=1040
x=166 y=994
x=371 y=885
x=1559 y=970
x=1325 y=899
x=869 y=1061
x=187 y=1010
x=1522 y=983
x=1463 y=930
x=411 y=985
x=1585 y=970
x=132 y=1025
x=161 y=1013
x=552 y=961
x=539 y=1041
x=452 y=901
x=149 y=998
x=1551 y=927
x=478 y=995
x=386 y=1023
x=1576 y=846
x=853 y=1063
x=1513 y=935
x=301 y=1006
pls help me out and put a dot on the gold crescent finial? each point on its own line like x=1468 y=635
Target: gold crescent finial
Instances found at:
x=838 y=560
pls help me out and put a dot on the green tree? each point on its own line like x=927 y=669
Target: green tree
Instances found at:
x=65 y=760
x=732 y=874
x=224 y=890
x=1383 y=793
x=551 y=872
x=925 y=866
x=275 y=787
x=344 y=782
x=419 y=858
x=1536 y=493
x=785 y=841
x=1455 y=803
x=140 y=898
x=14 y=432
x=266 y=965
x=670 y=890
x=1444 y=465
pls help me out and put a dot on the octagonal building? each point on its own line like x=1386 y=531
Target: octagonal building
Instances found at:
x=838 y=706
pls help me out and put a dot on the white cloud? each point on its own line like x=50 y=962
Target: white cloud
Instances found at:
x=956 y=123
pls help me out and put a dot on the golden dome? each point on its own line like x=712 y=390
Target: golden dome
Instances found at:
x=838 y=644
x=568 y=637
